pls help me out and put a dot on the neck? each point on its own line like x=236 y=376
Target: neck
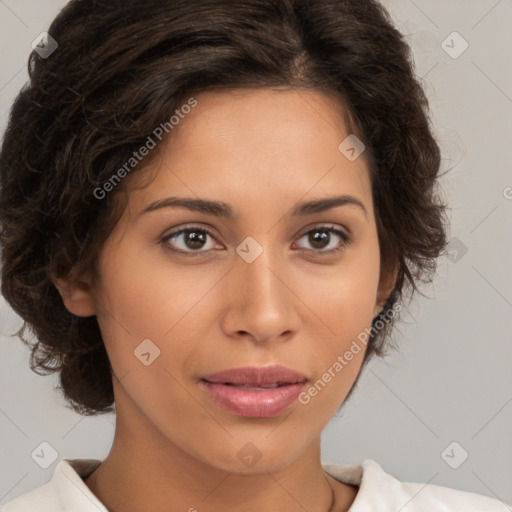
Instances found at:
x=147 y=471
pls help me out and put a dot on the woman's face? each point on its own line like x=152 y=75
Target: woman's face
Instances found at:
x=267 y=285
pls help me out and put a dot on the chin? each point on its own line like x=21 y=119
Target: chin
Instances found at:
x=251 y=458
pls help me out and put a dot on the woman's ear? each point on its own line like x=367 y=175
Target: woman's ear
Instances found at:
x=76 y=293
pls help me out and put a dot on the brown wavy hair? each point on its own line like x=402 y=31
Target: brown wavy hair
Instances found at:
x=122 y=67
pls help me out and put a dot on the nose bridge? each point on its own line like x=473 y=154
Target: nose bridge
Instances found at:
x=261 y=304
x=260 y=276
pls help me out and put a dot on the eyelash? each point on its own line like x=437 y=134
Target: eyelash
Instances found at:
x=330 y=229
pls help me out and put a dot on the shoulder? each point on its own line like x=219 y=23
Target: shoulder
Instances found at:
x=42 y=499
x=65 y=491
x=379 y=490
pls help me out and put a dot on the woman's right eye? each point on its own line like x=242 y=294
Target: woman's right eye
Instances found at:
x=191 y=240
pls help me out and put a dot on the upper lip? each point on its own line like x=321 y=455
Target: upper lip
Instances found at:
x=257 y=376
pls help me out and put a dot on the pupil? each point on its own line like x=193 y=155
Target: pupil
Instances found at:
x=195 y=237
x=319 y=237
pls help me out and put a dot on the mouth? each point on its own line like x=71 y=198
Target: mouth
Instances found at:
x=254 y=392
x=253 y=386
x=257 y=376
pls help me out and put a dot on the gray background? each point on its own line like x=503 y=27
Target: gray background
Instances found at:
x=451 y=379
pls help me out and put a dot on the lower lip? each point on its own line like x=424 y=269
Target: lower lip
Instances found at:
x=253 y=403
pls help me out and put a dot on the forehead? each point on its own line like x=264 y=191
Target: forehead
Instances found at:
x=246 y=118
x=265 y=144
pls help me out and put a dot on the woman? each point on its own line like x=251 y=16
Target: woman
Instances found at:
x=212 y=212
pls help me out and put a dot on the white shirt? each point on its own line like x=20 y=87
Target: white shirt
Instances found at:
x=378 y=492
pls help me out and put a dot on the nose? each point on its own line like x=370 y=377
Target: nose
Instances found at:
x=260 y=301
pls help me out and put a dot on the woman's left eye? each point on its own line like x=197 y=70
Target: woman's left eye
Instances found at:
x=193 y=240
x=321 y=237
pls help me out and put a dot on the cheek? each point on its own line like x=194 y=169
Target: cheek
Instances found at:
x=344 y=308
x=345 y=296
x=141 y=299
x=143 y=296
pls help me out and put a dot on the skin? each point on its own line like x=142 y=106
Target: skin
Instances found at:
x=262 y=151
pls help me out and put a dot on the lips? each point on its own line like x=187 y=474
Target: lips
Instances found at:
x=259 y=377
x=254 y=392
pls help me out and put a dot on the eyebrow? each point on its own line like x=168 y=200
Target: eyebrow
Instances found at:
x=221 y=209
